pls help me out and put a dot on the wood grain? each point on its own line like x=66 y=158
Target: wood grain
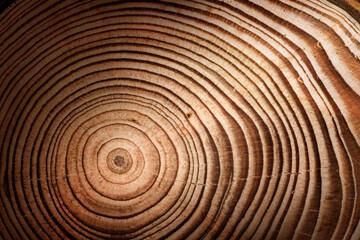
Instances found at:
x=180 y=119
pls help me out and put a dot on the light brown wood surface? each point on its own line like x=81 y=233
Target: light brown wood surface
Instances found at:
x=180 y=120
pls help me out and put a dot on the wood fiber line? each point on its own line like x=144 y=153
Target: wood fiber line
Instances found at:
x=235 y=119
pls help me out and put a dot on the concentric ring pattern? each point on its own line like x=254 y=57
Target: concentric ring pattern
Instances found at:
x=179 y=119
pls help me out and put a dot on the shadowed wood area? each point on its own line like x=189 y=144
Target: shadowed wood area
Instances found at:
x=180 y=119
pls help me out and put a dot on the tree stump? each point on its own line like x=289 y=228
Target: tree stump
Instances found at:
x=180 y=119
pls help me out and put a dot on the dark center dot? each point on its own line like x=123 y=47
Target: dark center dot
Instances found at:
x=119 y=161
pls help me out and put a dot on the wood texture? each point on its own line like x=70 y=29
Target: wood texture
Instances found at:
x=180 y=119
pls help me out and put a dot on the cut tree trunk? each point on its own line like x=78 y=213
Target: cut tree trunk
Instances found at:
x=180 y=119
